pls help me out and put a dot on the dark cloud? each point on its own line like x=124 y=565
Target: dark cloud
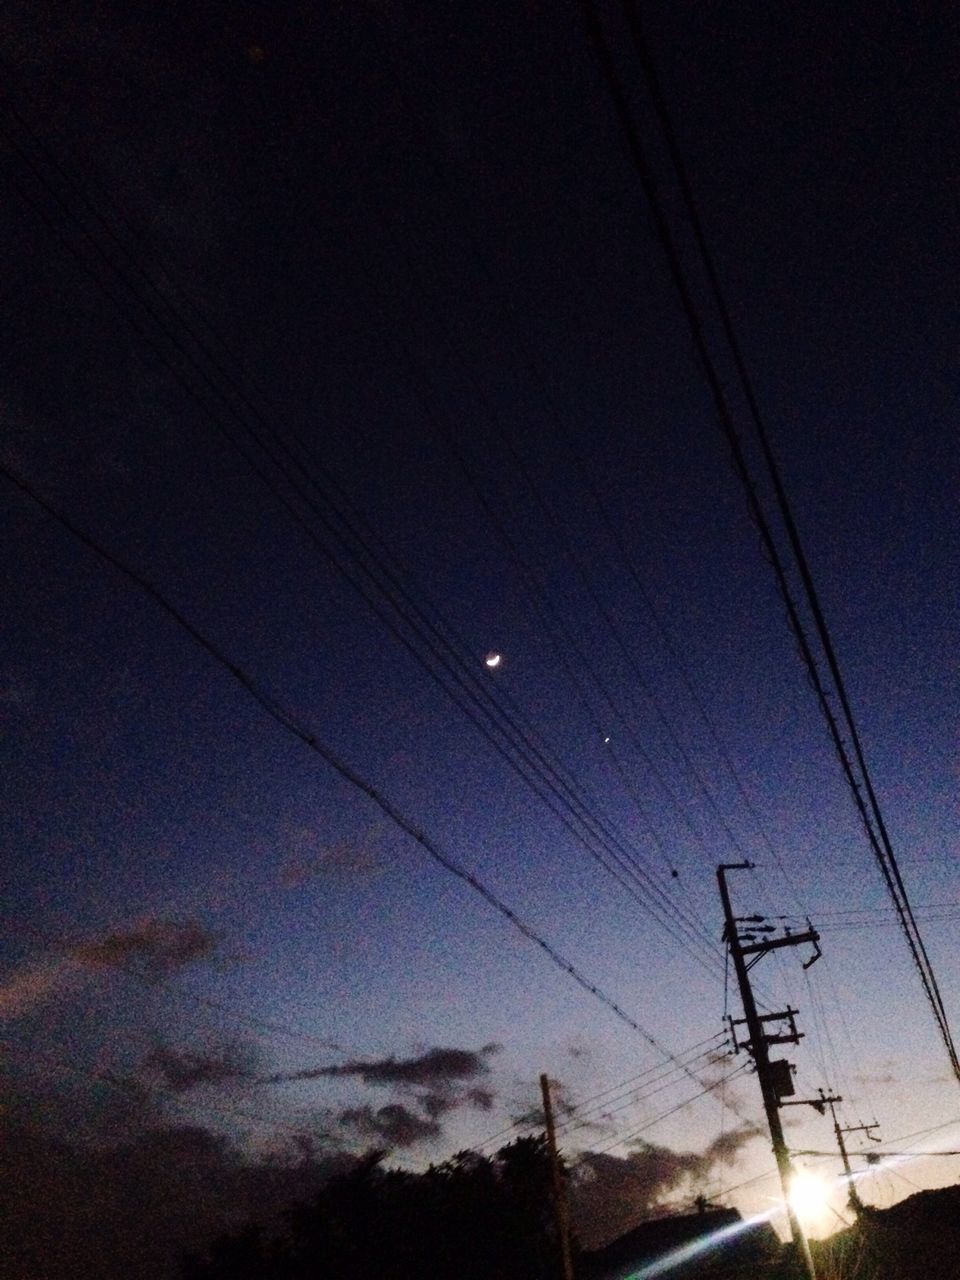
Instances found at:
x=727 y=1146
x=610 y=1194
x=482 y=1099
x=426 y=1088
x=157 y=947
x=154 y=948
x=435 y=1067
x=390 y=1126
x=181 y=1071
x=438 y=1103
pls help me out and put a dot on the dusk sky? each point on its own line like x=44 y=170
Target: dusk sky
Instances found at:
x=402 y=252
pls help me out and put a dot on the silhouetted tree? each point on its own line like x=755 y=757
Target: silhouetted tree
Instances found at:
x=470 y=1218
x=245 y=1256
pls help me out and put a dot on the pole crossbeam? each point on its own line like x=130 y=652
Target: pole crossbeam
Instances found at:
x=853 y=1196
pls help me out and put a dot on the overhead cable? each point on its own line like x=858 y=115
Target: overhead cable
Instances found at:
x=385 y=594
x=868 y=810
x=292 y=725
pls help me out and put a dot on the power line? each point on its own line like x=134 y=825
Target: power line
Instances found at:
x=871 y=912
x=602 y=1098
x=869 y=810
x=946 y=917
x=614 y=1106
x=582 y=658
x=530 y=364
x=883 y=850
x=680 y=1106
x=586 y=1113
x=549 y=618
x=556 y=522
x=664 y=1115
x=877 y=1156
x=922 y=1133
x=386 y=595
x=676 y=659
x=287 y=721
x=531 y=1120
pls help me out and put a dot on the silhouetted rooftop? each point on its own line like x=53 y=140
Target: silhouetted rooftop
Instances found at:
x=715 y=1242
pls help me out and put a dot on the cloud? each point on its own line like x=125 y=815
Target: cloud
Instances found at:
x=158 y=947
x=426 y=1088
x=182 y=1071
x=611 y=1194
x=727 y=1146
x=348 y=860
x=153 y=948
x=390 y=1126
x=482 y=1099
x=30 y=985
x=435 y=1067
x=437 y=1104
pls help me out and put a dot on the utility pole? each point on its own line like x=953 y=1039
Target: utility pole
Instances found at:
x=775 y=1077
x=853 y=1197
x=559 y=1191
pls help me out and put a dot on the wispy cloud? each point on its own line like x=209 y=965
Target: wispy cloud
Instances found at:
x=563 y=1106
x=153 y=948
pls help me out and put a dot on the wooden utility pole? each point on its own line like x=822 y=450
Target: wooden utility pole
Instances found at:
x=776 y=1080
x=853 y=1197
x=559 y=1191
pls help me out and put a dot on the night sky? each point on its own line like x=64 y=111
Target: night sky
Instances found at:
x=402 y=250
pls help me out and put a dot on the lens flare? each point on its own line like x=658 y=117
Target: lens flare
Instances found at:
x=809 y=1196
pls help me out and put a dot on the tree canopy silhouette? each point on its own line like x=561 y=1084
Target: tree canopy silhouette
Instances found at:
x=471 y=1218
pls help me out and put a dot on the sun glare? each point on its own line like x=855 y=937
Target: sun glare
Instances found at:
x=809 y=1197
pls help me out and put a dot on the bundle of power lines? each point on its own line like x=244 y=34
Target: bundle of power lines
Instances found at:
x=816 y=650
